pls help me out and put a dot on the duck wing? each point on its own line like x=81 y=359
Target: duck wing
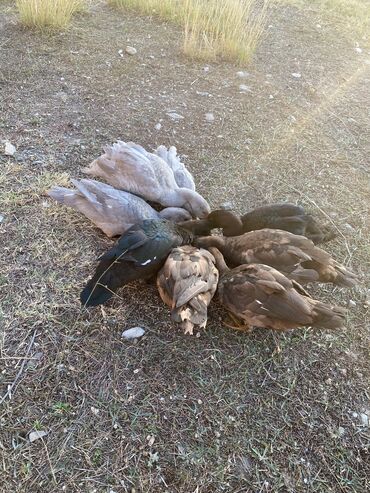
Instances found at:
x=128 y=169
x=263 y=297
x=187 y=283
x=183 y=177
x=111 y=210
x=138 y=254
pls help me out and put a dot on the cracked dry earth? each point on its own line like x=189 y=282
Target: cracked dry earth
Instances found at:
x=224 y=412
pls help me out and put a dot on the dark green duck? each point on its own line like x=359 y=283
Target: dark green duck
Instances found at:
x=139 y=254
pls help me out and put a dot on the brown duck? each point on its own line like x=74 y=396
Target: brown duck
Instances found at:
x=187 y=283
x=261 y=296
x=287 y=217
x=295 y=256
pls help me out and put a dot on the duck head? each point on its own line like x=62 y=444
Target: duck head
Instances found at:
x=227 y=220
x=193 y=202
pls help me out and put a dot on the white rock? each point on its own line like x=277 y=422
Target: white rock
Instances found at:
x=364 y=419
x=35 y=435
x=94 y=410
x=158 y=126
x=175 y=116
x=206 y=69
x=1 y=218
x=9 y=149
x=358 y=49
x=120 y=52
x=229 y=206
x=341 y=431
x=244 y=88
x=130 y=50
x=351 y=304
x=210 y=117
x=242 y=74
x=133 y=333
x=296 y=75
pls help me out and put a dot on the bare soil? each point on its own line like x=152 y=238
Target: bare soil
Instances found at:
x=224 y=412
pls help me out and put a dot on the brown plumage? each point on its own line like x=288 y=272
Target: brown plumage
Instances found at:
x=287 y=217
x=263 y=297
x=187 y=283
x=295 y=256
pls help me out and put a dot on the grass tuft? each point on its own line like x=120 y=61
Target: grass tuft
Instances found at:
x=228 y=29
x=48 y=14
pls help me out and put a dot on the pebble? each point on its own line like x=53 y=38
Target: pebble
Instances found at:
x=244 y=88
x=133 y=333
x=35 y=435
x=358 y=49
x=296 y=75
x=347 y=227
x=228 y=206
x=341 y=431
x=210 y=117
x=175 y=116
x=1 y=218
x=364 y=419
x=158 y=126
x=9 y=149
x=351 y=304
x=242 y=74
x=130 y=50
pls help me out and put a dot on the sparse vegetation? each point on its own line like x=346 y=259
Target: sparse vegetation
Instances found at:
x=354 y=15
x=48 y=14
x=230 y=29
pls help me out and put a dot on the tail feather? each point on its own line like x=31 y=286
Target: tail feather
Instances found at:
x=102 y=285
x=327 y=316
x=344 y=277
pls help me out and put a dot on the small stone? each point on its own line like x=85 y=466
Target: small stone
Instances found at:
x=158 y=126
x=9 y=149
x=244 y=88
x=94 y=410
x=364 y=419
x=348 y=228
x=242 y=74
x=1 y=218
x=130 y=50
x=175 y=116
x=133 y=333
x=328 y=381
x=341 y=431
x=354 y=415
x=296 y=75
x=210 y=117
x=206 y=69
x=358 y=49
x=228 y=206
x=35 y=435
x=120 y=52
x=351 y=304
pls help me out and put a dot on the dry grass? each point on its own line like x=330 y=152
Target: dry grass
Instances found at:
x=228 y=29
x=50 y=14
x=353 y=15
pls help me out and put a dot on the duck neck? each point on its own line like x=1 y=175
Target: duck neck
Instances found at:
x=199 y=227
x=220 y=261
x=211 y=241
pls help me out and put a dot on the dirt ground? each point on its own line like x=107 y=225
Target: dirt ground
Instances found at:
x=224 y=412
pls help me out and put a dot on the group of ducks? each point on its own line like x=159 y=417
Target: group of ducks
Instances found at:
x=257 y=265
